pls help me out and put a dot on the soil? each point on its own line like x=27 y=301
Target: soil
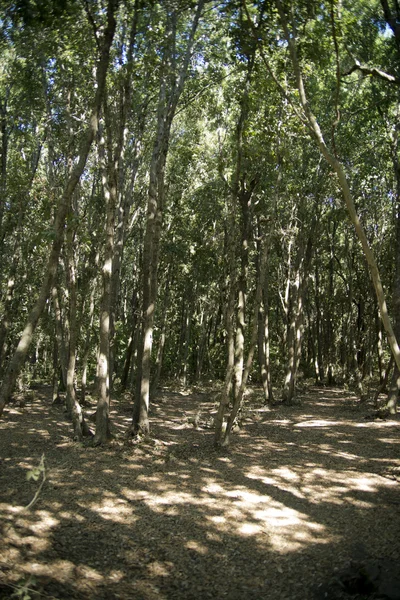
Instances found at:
x=304 y=504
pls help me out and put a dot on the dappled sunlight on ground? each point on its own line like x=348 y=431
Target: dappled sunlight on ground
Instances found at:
x=173 y=518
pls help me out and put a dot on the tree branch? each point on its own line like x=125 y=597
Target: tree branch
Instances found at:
x=373 y=71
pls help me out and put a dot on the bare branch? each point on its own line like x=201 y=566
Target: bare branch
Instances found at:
x=373 y=71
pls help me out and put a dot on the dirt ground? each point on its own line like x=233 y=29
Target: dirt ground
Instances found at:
x=303 y=505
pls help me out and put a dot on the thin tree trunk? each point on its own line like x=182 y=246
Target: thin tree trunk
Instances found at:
x=131 y=344
x=296 y=320
x=161 y=342
x=167 y=104
x=62 y=349
x=238 y=401
x=229 y=322
x=320 y=372
x=73 y=406
x=16 y=253
x=103 y=433
x=337 y=166
x=86 y=351
x=18 y=359
x=263 y=331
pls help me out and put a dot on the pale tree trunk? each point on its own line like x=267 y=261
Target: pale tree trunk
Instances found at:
x=161 y=342
x=56 y=373
x=263 y=329
x=130 y=351
x=394 y=390
x=170 y=92
x=230 y=292
x=86 y=350
x=18 y=359
x=204 y=324
x=319 y=367
x=295 y=335
x=60 y=336
x=124 y=198
x=186 y=334
x=73 y=406
x=337 y=166
x=242 y=196
x=379 y=348
x=238 y=401
x=103 y=433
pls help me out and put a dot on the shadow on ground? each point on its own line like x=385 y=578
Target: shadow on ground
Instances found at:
x=281 y=514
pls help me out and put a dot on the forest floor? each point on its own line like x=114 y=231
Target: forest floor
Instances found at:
x=304 y=504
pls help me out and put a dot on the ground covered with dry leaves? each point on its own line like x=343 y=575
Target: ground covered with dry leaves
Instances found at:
x=304 y=504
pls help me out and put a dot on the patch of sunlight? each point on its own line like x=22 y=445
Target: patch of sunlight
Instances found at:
x=213 y=488
x=317 y=423
x=251 y=514
x=377 y=425
x=247 y=497
x=116 y=576
x=266 y=480
x=250 y=529
x=160 y=569
x=286 y=473
x=338 y=486
x=217 y=519
x=159 y=502
x=61 y=570
x=364 y=484
x=388 y=440
x=197 y=546
x=66 y=514
x=112 y=510
x=47 y=521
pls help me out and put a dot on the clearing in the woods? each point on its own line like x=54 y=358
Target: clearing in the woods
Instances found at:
x=304 y=504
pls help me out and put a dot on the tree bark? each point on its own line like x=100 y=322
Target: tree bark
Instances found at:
x=238 y=401
x=73 y=406
x=337 y=166
x=18 y=359
x=171 y=88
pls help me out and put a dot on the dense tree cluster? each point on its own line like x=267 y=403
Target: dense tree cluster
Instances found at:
x=198 y=189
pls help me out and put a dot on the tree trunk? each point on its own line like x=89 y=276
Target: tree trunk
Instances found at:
x=253 y=339
x=103 y=434
x=296 y=321
x=62 y=348
x=18 y=359
x=73 y=406
x=263 y=331
x=337 y=166
x=131 y=345
x=161 y=342
x=167 y=104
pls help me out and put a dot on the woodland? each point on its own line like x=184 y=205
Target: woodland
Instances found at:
x=199 y=260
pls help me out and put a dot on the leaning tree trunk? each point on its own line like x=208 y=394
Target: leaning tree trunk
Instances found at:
x=338 y=168
x=18 y=359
